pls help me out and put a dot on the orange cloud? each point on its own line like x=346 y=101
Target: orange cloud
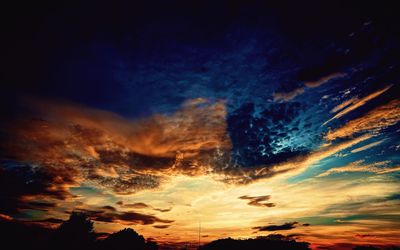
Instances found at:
x=74 y=143
x=287 y=96
x=375 y=120
x=344 y=104
x=356 y=104
x=323 y=80
x=358 y=166
x=368 y=146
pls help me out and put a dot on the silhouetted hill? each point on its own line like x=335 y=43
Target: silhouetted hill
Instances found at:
x=271 y=242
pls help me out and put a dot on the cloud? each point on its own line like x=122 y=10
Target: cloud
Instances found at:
x=163 y=210
x=364 y=236
x=133 y=205
x=372 y=122
x=258 y=201
x=5 y=217
x=141 y=205
x=122 y=154
x=135 y=218
x=287 y=96
x=125 y=218
x=344 y=104
x=323 y=80
x=293 y=165
x=161 y=226
x=358 y=166
x=356 y=103
x=24 y=187
x=368 y=146
x=285 y=226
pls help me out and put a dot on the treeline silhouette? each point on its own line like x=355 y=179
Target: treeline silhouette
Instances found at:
x=77 y=233
x=270 y=242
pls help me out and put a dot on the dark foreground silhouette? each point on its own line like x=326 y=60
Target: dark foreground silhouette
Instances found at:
x=77 y=233
x=271 y=242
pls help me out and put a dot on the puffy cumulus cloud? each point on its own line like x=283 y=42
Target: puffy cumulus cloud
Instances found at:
x=258 y=201
x=359 y=166
x=355 y=103
x=72 y=143
x=372 y=122
x=289 y=95
x=285 y=226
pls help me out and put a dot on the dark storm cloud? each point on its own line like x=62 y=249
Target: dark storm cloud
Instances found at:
x=258 y=201
x=286 y=226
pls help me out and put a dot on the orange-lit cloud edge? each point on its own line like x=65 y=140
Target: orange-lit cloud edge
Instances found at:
x=164 y=174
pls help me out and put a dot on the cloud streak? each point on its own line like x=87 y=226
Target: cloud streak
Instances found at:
x=359 y=166
x=285 y=226
x=258 y=201
x=372 y=122
x=355 y=104
x=287 y=96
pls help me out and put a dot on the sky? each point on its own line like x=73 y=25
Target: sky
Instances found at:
x=244 y=119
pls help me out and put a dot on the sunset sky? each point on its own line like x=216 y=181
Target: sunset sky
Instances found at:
x=245 y=118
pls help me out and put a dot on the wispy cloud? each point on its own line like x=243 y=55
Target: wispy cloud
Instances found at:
x=344 y=104
x=368 y=146
x=286 y=226
x=287 y=96
x=375 y=120
x=359 y=166
x=355 y=104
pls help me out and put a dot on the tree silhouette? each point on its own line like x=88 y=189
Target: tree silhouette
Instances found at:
x=75 y=233
x=151 y=245
x=124 y=239
x=272 y=242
